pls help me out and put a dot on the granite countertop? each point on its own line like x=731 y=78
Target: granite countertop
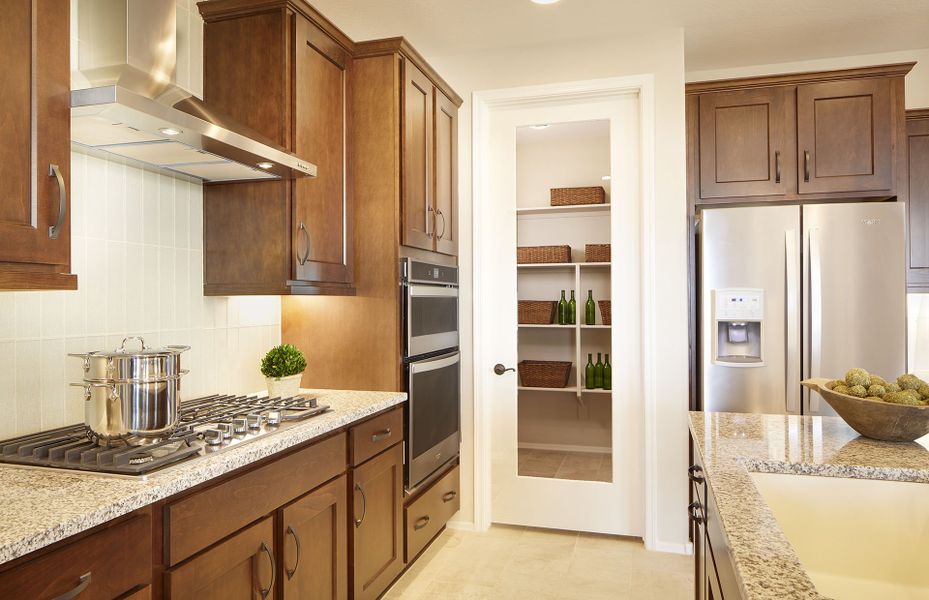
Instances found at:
x=732 y=445
x=39 y=507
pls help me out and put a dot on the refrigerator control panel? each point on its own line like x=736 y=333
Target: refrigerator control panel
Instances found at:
x=734 y=304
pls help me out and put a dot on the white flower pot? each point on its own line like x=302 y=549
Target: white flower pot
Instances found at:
x=284 y=387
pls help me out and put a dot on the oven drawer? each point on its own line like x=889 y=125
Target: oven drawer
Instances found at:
x=375 y=435
x=205 y=517
x=425 y=516
x=103 y=565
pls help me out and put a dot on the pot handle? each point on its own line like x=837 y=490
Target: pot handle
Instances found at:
x=87 y=385
x=122 y=346
x=178 y=348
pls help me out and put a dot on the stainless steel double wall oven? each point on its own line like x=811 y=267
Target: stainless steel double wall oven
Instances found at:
x=432 y=367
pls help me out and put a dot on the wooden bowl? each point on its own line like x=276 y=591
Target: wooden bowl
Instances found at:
x=875 y=419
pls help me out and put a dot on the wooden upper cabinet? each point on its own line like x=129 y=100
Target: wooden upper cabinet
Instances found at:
x=377 y=529
x=746 y=139
x=418 y=219
x=917 y=129
x=844 y=136
x=446 y=174
x=314 y=559
x=35 y=146
x=322 y=205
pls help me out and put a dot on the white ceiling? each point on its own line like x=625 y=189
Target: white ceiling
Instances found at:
x=562 y=132
x=719 y=33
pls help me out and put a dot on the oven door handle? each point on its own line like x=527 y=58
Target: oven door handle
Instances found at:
x=424 y=366
x=432 y=291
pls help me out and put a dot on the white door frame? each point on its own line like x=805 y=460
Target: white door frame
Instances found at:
x=484 y=103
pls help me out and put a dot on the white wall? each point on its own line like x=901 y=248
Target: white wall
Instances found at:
x=541 y=166
x=660 y=53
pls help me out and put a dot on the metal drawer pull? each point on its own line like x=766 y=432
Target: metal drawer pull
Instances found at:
x=306 y=238
x=293 y=534
x=777 y=166
x=806 y=166
x=82 y=583
x=449 y=496
x=381 y=435
x=695 y=474
x=265 y=592
x=421 y=522
x=54 y=230
x=364 y=505
x=695 y=517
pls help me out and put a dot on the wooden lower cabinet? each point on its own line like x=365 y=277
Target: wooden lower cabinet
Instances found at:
x=377 y=523
x=427 y=515
x=314 y=555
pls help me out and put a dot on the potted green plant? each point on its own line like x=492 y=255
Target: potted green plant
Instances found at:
x=282 y=367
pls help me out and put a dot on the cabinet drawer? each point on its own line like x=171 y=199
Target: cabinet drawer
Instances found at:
x=143 y=594
x=377 y=434
x=107 y=564
x=426 y=515
x=195 y=522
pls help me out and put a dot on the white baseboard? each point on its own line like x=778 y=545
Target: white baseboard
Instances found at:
x=461 y=525
x=673 y=548
x=565 y=448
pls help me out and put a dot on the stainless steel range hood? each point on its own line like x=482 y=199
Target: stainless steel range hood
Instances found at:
x=125 y=100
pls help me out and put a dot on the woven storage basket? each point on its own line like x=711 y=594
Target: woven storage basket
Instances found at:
x=605 y=312
x=597 y=253
x=527 y=255
x=544 y=373
x=537 y=312
x=578 y=195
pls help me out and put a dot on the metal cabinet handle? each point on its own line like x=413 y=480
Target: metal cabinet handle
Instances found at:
x=306 y=238
x=381 y=435
x=695 y=516
x=695 y=474
x=364 y=505
x=777 y=166
x=499 y=369
x=421 y=522
x=441 y=214
x=265 y=592
x=806 y=166
x=449 y=496
x=82 y=584
x=432 y=212
x=293 y=534
x=54 y=230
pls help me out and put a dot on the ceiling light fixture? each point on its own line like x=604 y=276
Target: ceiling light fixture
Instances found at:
x=169 y=131
x=606 y=178
x=544 y=1
x=265 y=165
x=541 y=126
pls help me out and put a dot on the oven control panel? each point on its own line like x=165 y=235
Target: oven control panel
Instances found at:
x=423 y=272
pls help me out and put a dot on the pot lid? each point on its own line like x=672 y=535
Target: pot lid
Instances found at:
x=122 y=351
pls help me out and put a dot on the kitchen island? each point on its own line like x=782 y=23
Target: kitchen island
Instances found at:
x=755 y=558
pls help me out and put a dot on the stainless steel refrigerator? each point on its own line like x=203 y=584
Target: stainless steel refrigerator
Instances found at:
x=790 y=292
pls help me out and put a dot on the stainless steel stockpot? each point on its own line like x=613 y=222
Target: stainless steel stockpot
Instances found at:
x=131 y=394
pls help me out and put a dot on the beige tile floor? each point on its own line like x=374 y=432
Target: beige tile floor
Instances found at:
x=516 y=563
x=586 y=466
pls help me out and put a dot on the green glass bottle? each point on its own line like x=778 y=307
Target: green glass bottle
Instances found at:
x=589 y=374
x=590 y=309
x=598 y=372
x=572 y=310
x=562 y=310
x=607 y=374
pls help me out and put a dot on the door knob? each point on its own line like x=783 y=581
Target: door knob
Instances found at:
x=500 y=369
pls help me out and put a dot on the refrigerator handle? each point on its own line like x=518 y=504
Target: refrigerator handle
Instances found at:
x=792 y=346
x=816 y=314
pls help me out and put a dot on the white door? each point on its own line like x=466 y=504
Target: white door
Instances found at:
x=598 y=434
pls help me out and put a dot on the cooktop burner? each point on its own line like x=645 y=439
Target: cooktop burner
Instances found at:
x=207 y=425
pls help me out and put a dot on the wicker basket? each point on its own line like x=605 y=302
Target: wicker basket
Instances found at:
x=544 y=373
x=537 y=312
x=578 y=195
x=597 y=253
x=605 y=312
x=527 y=255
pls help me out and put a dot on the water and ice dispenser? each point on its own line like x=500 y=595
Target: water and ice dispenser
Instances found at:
x=739 y=318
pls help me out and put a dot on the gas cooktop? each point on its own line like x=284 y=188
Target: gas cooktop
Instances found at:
x=207 y=425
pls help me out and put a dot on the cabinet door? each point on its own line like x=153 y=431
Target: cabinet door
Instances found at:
x=240 y=568
x=746 y=143
x=322 y=238
x=446 y=175
x=917 y=218
x=377 y=530
x=35 y=145
x=844 y=136
x=314 y=560
x=418 y=216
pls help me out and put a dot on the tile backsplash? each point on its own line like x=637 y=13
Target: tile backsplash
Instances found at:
x=137 y=249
